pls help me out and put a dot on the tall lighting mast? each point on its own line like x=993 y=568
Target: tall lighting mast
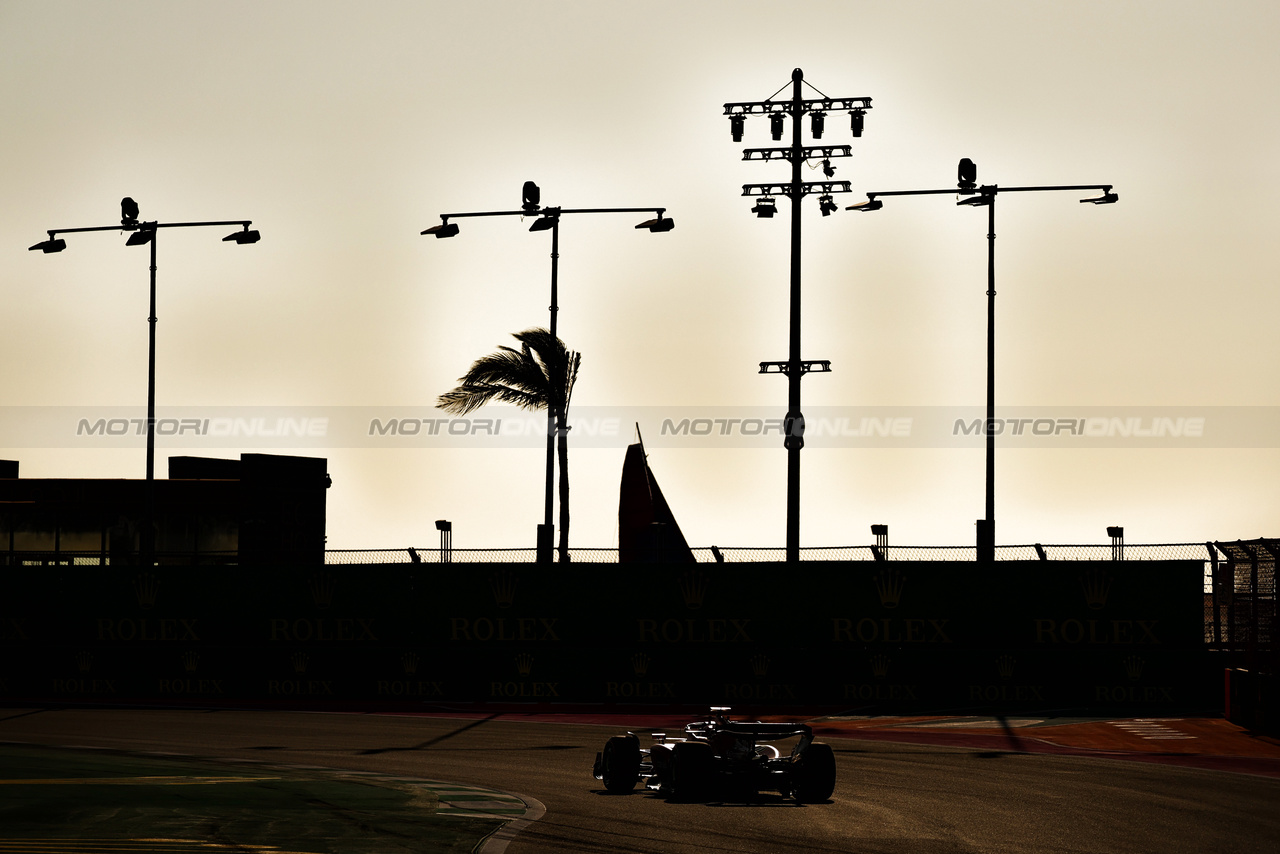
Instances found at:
x=797 y=153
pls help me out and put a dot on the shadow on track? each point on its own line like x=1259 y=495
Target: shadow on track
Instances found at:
x=375 y=751
x=27 y=714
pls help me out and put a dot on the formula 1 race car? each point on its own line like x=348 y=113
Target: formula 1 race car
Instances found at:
x=719 y=755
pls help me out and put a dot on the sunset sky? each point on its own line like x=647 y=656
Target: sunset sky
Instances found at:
x=343 y=130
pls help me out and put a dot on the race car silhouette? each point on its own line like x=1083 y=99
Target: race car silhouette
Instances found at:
x=717 y=756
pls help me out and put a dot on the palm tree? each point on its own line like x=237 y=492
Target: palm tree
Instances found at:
x=540 y=375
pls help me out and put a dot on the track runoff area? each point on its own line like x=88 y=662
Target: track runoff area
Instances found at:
x=457 y=781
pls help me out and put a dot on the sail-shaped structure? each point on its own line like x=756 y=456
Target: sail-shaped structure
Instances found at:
x=647 y=530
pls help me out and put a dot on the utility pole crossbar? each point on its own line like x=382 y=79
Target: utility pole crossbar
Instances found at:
x=821 y=366
x=793 y=190
x=748 y=108
x=809 y=152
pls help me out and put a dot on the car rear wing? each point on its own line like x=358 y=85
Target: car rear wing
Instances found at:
x=755 y=729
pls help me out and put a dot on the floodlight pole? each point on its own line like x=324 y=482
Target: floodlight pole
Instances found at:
x=659 y=223
x=797 y=153
x=986 y=540
x=793 y=441
x=546 y=534
x=985 y=196
x=147 y=232
x=151 y=390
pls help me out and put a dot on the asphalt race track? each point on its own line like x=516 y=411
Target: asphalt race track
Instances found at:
x=889 y=797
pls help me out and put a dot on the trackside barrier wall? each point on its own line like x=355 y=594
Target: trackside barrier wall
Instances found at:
x=1253 y=699
x=874 y=637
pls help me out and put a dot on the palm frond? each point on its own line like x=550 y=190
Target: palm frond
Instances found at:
x=507 y=367
x=470 y=397
x=540 y=374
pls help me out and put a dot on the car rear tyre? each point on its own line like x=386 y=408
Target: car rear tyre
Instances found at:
x=620 y=764
x=692 y=768
x=813 y=774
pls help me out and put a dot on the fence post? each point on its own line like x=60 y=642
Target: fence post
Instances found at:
x=1213 y=593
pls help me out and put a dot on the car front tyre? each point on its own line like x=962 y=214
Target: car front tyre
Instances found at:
x=620 y=764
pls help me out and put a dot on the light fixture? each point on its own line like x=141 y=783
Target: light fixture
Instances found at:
x=976 y=201
x=827 y=205
x=765 y=208
x=736 y=123
x=1116 y=533
x=544 y=223
x=244 y=236
x=658 y=224
x=868 y=205
x=48 y=247
x=128 y=212
x=856 y=118
x=817 y=122
x=1107 y=198
x=444 y=229
x=828 y=169
x=776 y=125
x=880 y=551
x=142 y=236
x=530 y=197
x=967 y=174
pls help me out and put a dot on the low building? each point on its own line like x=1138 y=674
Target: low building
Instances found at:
x=260 y=508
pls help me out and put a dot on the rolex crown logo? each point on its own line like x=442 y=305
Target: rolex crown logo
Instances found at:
x=84 y=661
x=322 y=585
x=889 y=584
x=190 y=660
x=1133 y=665
x=146 y=587
x=410 y=662
x=503 y=584
x=1096 y=584
x=640 y=663
x=299 y=660
x=760 y=664
x=880 y=666
x=1005 y=665
x=693 y=587
x=524 y=664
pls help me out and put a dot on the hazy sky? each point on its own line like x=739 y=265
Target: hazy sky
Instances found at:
x=342 y=130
